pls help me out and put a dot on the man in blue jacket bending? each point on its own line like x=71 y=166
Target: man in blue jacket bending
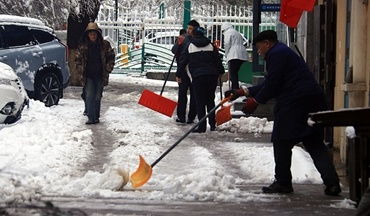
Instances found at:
x=297 y=94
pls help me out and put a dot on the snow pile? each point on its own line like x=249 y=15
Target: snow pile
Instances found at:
x=196 y=175
x=257 y=162
x=46 y=147
x=6 y=72
x=248 y=125
x=350 y=132
x=202 y=180
x=346 y=203
x=93 y=182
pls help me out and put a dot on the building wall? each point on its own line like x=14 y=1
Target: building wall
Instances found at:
x=352 y=79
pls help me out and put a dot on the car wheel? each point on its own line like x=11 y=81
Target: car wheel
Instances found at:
x=48 y=88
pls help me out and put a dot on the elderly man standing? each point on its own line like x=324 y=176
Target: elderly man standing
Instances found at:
x=95 y=59
x=297 y=94
x=235 y=52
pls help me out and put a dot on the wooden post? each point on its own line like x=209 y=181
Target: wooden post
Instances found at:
x=339 y=138
x=358 y=51
x=367 y=101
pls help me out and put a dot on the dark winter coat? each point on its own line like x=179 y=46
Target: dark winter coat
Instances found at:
x=177 y=50
x=201 y=57
x=107 y=55
x=295 y=89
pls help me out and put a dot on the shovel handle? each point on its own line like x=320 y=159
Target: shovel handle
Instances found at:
x=191 y=129
x=168 y=74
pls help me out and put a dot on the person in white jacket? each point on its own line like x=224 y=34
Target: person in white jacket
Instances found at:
x=235 y=52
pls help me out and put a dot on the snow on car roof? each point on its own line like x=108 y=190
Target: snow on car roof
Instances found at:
x=24 y=21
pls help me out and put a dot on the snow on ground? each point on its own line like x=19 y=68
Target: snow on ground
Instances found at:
x=248 y=125
x=346 y=203
x=46 y=147
x=257 y=162
x=142 y=81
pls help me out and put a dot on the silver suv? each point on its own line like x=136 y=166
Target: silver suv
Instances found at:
x=36 y=55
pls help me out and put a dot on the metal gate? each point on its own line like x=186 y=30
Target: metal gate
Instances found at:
x=144 y=40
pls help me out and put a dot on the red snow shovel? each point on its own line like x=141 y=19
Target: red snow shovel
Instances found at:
x=158 y=102
x=144 y=171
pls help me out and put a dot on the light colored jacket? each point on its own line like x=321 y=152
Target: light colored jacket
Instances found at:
x=233 y=43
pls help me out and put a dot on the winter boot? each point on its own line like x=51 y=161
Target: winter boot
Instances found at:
x=275 y=187
x=333 y=190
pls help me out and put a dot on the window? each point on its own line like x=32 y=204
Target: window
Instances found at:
x=16 y=36
x=42 y=36
x=1 y=40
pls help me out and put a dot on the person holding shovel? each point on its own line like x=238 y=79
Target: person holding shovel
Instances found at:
x=205 y=67
x=184 y=83
x=297 y=94
x=95 y=58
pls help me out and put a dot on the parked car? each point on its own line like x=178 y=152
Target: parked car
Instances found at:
x=13 y=96
x=163 y=39
x=37 y=56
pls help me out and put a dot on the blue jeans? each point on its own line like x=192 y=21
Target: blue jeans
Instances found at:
x=94 y=90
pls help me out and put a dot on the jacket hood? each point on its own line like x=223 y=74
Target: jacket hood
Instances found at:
x=200 y=41
x=93 y=27
x=226 y=26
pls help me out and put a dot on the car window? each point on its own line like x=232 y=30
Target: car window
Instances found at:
x=16 y=36
x=42 y=36
x=1 y=40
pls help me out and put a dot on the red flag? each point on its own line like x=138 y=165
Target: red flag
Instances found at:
x=290 y=15
x=306 y=5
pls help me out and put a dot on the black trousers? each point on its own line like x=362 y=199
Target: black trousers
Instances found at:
x=182 y=100
x=315 y=146
x=234 y=67
x=204 y=91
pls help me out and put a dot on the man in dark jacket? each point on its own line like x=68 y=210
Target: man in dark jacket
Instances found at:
x=205 y=67
x=184 y=81
x=95 y=60
x=297 y=94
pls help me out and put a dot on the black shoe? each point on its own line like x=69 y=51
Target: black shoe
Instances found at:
x=213 y=128
x=190 y=121
x=275 y=187
x=96 y=121
x=180 y=121
x=333 y=190
x=89 y=122
x=198 y=131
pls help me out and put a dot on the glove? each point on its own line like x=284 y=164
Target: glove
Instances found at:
x=180 y=39
x=235 y=92
x=250 y=105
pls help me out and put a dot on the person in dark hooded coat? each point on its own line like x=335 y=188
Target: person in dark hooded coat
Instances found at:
x=297 y=94
x=95 y=60
x=205 y=67
x=184 y=82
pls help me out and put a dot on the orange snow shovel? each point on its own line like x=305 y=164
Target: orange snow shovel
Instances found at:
x=158 y=102
x=144 y=171
x=223 y=115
